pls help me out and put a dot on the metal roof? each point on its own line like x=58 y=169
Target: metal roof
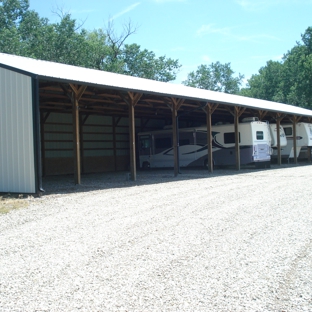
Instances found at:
x=74 y=74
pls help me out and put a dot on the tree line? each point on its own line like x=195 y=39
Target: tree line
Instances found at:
x=23 y=32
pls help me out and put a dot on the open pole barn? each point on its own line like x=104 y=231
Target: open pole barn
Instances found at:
x=62 y=119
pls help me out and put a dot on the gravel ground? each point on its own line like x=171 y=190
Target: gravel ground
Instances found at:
x=225 y=241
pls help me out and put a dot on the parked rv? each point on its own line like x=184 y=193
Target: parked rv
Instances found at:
x=155 y=147
x=303 y=138
x=283 y=140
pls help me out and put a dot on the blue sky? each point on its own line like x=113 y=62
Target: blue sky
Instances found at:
x=245 y=33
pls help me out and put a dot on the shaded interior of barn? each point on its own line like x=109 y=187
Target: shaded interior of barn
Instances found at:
x=104 y=123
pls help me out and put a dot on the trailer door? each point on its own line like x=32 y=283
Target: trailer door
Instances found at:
x=145 y=150
x=262 y=144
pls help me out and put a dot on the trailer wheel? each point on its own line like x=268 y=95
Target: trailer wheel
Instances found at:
x=145 y=165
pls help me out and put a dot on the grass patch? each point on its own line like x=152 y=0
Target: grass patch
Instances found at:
x=10 y=202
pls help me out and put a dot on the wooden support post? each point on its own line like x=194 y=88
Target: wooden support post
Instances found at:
x=77 y=168
x=295 y=138
x=309 y=154
x=278 y=139
x=210 y=108
x=175 y=137
x=132 y=141
x=237 y=150
x=132 y=99
x=76 y=96
x=175 y=105
x=279 y=117
x=238 y=111
x=261 y=114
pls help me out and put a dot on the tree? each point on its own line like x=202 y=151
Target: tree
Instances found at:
x=264 y=85
x=144 y=64
x=215 y=77
x=24 y=32
x=11 y=14
x=288 y=81
x=131 y=60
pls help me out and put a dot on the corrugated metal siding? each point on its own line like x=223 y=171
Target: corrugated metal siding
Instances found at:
x=17 y=164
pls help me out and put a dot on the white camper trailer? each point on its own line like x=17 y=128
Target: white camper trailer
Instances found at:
x=303 y=138
x=155 y=147
x=283 y=140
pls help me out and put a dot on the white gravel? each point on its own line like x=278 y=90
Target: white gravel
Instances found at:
x=226 y=241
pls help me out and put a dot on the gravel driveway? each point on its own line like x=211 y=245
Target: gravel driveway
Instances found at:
x=225 y=241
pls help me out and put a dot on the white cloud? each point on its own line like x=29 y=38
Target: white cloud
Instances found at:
x=210 y=29
x=228 y=32
x=278 y=57
x=82 y=11
x=206 y=58
x=126 y=10
x=257 y=37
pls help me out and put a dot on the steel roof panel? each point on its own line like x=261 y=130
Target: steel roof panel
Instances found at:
x=57 y=71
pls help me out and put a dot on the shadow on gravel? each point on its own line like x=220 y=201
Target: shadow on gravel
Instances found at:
x=100 y=181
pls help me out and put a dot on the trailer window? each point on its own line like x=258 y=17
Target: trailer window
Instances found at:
x=288 y=130
x=229 y=137
x=163 y=143
x=145 y=142
x=201 y=138
x=259 y=135
x=184 y=142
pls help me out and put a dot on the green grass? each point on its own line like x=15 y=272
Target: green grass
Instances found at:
x=10 y=202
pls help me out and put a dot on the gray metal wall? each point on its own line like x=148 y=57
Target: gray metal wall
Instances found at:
x=17 y=163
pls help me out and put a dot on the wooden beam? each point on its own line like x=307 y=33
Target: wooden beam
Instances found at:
x=209 y=109
x=174 y=104
x=279 y=117
x=295 y=120
x=309 y=153
x=175 y=142
x=81 y=123
x=132 y=99
x=278 y=139
x=76 y=137
x=262 y=114
x=77 y=93
x=237 y=150
x=237 y=112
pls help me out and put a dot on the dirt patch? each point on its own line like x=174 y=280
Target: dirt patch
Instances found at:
x=10 y=202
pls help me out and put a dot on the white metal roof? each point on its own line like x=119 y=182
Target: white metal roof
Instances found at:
x=58 y=71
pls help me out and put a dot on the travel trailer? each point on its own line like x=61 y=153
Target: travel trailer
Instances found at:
x=303 y=138
x=283 y=140
x=156 y=151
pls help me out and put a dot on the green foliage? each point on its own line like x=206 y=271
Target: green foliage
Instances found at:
x=24 y=32
x=144 y=63
x=288 y=81
x=215 y=77
x=263 y=86
x=11 y=15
